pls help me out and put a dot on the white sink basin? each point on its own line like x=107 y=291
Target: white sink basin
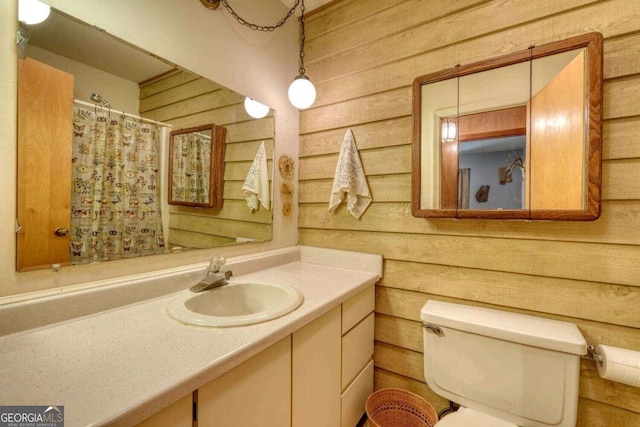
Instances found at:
x=235 y=304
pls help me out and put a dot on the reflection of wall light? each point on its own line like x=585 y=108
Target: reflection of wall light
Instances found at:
x=255 y=109
x=448 y=131
x=32 y=11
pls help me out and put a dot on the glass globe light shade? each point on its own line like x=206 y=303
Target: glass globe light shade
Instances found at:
x=33 y=11
x=302 y=93
x=255 y=109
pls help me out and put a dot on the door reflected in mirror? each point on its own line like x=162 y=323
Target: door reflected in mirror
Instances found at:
x=514 y=137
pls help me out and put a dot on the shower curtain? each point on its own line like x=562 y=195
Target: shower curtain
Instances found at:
x=115 y=196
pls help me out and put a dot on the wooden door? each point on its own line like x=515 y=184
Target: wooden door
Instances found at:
x=558 y=141
x=45 y=109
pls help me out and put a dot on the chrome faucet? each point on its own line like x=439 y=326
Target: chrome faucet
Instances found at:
x=214 y=277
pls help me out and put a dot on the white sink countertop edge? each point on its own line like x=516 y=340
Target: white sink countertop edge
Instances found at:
x=120 y=366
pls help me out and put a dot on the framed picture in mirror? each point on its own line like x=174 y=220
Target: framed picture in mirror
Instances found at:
x=196 y=166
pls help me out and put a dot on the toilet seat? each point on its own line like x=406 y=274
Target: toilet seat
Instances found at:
x=466 y=417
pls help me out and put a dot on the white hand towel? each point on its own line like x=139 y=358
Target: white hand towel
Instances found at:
x=256 y=184
x=350 y=180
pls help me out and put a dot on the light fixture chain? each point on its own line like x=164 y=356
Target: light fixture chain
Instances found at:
x=302 y=39
x=265 y=28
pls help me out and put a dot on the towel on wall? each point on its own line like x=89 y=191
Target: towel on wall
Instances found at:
x=256 y=184
x=350 y=179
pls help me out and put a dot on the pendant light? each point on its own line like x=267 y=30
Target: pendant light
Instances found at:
x=302 y=93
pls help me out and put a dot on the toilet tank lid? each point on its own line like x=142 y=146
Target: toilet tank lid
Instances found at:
x=523 y=329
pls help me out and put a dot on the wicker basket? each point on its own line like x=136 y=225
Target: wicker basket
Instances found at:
x=394 y=407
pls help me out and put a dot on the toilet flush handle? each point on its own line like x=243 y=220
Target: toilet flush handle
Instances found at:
x=434 y=328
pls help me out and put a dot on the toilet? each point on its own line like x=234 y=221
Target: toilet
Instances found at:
x=504 y=369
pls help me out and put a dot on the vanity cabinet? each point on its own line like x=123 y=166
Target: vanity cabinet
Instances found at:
x=357 y=355
x=316 y=354
x=255 y=393
x=319 y=376
x=180 y=414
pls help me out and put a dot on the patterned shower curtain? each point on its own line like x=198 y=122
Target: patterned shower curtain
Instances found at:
x=115 y=196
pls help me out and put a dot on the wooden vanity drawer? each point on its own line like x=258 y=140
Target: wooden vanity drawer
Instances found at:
x=357 y=308
x=355 y=396
x=357 y=349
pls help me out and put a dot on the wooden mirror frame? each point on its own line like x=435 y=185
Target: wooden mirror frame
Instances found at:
x=593 y=138
x=216 y=167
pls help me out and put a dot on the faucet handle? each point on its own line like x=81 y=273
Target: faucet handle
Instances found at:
x=217 y=262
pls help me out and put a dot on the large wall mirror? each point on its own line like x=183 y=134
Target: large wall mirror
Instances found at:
x=514 y=137
x=92 y=78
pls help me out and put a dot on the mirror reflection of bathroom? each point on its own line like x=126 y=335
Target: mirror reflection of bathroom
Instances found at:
x=111 y=202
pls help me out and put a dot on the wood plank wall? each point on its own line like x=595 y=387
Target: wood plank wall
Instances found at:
x=362 y=56
x=186 y=100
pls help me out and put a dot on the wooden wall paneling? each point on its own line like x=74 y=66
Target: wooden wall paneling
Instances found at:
x=374 y=162
x=619 y=138
x=583 y=273
x=484 y=19
x=343 y=13
x=220 y=227
x=620 y=178
x=580 y=299
x=400 y=360
x=396 y=131
x=400 y=332
x=618 y=224
x=616 y=394
x=178 y=93
x=234 y=210
x=220 y=104
x=384 y=379
x=384 y=188
x=411 y=13
x=246 y=151
x=251 y=130
x=190 y=239
x=237 y=171
x=380 y=106
x=165 y=82
x=592 y=413
x=622 y=56
x=620 y=97
x=384 y=77
x=407 y=305
x=533 y=257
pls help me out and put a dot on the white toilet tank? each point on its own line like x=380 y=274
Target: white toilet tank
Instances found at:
x=519 y=368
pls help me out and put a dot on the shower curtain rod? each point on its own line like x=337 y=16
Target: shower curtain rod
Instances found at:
x=92 y=105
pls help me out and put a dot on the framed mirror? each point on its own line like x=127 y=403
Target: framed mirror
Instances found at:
x=196 y=166
x=513 y=137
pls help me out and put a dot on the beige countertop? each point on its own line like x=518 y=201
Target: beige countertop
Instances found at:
x=119 y=366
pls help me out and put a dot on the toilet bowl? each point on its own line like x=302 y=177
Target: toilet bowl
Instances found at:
x=505 y=369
